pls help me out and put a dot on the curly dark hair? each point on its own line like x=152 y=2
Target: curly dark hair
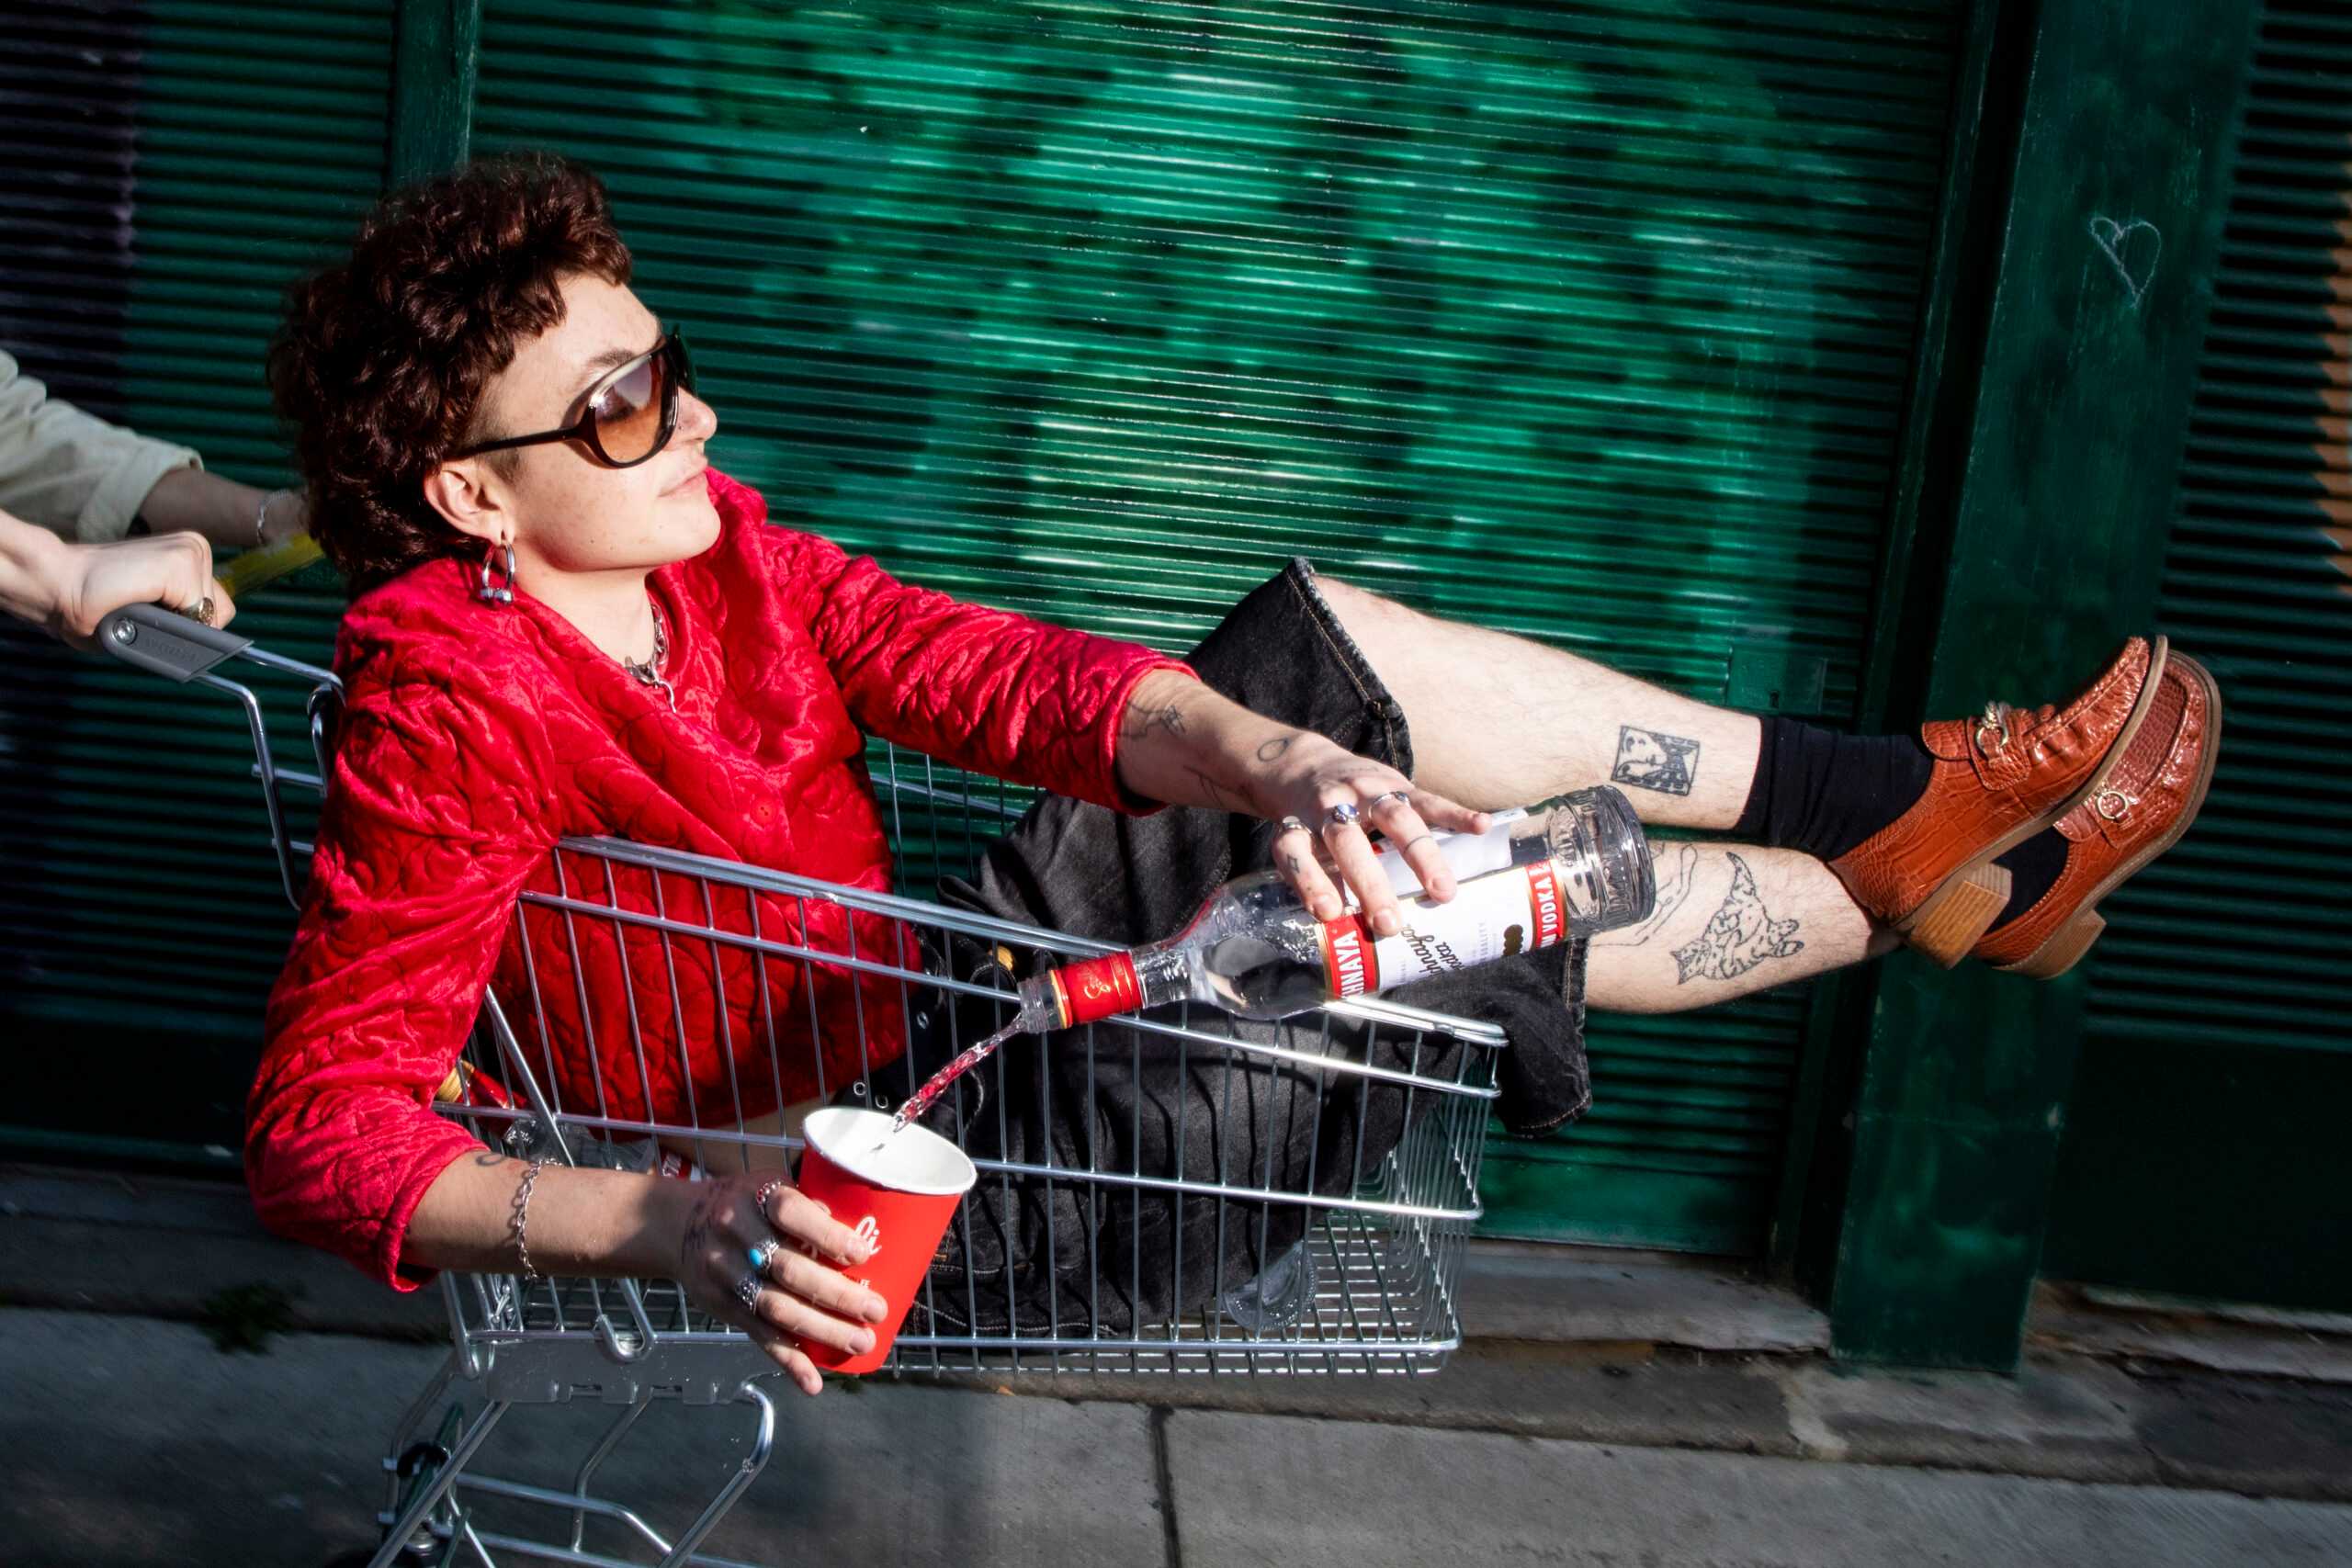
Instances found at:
x=381 y=362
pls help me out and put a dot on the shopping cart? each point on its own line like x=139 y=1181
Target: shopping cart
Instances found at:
x=1318 y=1204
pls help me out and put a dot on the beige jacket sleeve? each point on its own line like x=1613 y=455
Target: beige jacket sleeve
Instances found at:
x=68 y=471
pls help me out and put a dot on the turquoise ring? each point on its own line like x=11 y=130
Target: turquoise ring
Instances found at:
x=758 y=1255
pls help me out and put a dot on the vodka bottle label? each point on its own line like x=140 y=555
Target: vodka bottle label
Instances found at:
x=1493 y=916
x=1351 y=956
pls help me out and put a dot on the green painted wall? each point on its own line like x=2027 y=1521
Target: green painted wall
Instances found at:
x=1590 y=322
x=1767 y=350
x=140 y=919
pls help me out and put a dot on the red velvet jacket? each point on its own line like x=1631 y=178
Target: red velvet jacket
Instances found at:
x=474 y=737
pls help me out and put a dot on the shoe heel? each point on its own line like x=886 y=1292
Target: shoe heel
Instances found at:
x=2063 y=949
x=1952 y=921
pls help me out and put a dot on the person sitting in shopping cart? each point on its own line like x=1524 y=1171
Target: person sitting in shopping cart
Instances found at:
x=567 y=621
x=94 y=517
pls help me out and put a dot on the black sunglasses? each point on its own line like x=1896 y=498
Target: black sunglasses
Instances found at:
x=628 y=416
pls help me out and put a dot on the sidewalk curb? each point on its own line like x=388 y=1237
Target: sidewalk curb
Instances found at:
x=1637 y=1349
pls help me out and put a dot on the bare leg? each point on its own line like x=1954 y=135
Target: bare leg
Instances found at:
x=1499 y=721
x=1496 y=721
x=1731 y=918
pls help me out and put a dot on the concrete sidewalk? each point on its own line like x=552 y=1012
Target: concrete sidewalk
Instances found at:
x=1610 y=1407
x=136 y=1443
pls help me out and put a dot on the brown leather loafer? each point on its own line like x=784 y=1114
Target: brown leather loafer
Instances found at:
x=1997 y=780
x=2140 y=808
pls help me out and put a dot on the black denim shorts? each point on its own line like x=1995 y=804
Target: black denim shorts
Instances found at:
x=1079 y=868
x=1073 y=867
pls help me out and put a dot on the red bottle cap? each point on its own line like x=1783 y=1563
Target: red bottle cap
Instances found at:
x=1097 y=987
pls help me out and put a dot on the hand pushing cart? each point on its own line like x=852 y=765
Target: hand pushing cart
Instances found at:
x=1298 y=1202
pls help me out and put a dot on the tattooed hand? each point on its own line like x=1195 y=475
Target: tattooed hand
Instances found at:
x=1183 y=743
x=802 y=1294
x=1303 y=775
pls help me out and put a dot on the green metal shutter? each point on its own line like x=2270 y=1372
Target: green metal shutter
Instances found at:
x=1590 y=322
x=2205 y=1153
x=142 y=918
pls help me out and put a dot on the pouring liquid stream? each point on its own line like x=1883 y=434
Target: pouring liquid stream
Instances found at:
x=915 y=1104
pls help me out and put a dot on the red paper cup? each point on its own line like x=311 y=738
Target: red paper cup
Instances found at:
x=899 y=1190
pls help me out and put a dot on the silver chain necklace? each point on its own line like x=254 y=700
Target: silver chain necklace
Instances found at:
x=649 y=673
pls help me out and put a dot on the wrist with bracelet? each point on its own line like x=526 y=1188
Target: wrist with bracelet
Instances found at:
x=261 y=518
x=518 y=1221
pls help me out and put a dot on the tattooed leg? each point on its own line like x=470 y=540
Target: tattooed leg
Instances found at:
x=1497 y=720
x=1730 y=920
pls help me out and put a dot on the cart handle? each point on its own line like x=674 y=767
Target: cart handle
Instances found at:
x=167 y=643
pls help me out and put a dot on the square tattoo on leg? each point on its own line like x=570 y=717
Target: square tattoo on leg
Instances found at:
x=1648 y=760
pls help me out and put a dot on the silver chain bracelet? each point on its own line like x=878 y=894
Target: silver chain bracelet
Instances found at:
x=520 y=1219
x=261 y=518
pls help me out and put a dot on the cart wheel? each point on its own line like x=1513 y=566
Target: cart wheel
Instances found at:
x=422 y=1459
x=361 y=1559
x=416 y=1466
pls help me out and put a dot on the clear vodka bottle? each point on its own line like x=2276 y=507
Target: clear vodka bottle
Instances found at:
x=1568 y=867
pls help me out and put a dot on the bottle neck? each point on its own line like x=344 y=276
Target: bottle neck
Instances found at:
x=1082 y=992
x=1094 y=988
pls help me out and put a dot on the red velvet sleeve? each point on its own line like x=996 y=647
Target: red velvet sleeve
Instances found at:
x=987 y=690
x=433 y=820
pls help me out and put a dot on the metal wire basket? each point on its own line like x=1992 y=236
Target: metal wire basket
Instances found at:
x=1299 y=1202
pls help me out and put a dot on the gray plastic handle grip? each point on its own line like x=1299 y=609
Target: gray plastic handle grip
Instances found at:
x=165 y=642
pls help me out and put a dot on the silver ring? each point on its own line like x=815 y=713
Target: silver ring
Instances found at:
x=759 y=1254
x=760 y=1199
x=1293 y=825
x=747 y=1290
x=1397 y=795
x=1341 y=815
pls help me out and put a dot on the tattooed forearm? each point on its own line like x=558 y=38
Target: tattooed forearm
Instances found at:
x=1742 y=935
x=1274 y=747
x=1673 y=892
x=1224 y=798
x=1648 y=759
x=1139 y=726
x=694 y=1240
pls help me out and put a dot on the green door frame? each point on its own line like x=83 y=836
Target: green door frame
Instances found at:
x=1954 y=298
x=436 y=51
x=2043 y=491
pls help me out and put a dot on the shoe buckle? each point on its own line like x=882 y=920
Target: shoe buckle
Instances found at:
x=1996 y=724
x=2113 y=804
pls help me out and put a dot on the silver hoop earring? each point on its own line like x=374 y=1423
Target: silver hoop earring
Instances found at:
x=492 y=592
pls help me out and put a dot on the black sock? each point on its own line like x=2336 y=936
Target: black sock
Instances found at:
x=1821 y=792
x=2033 y=866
